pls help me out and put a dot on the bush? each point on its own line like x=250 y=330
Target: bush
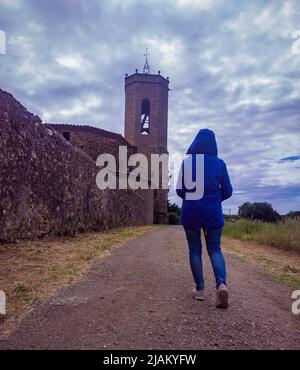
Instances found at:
x=173 y=218
x=173 y=213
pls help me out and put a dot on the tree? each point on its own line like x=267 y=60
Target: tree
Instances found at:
x=293 y=214
x=173 y=213
x=173 y=207
x=262 y=211
x=246 y=210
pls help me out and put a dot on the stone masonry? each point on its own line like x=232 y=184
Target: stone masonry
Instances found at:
x=92 y=140
x=154 y=89
x=48 y=186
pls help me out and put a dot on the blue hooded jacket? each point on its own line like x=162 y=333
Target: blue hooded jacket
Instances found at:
x=207 y=211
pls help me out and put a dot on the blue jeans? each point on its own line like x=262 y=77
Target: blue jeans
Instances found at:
x=213 y=244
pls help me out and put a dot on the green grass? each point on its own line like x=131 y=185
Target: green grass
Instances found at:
x=284 y=235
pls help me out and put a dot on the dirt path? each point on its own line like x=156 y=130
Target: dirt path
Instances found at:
x=139 y=298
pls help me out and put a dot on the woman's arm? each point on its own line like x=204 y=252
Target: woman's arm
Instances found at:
x=180 y=190
x=226 y=188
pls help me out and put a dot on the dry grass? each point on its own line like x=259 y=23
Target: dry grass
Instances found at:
x=284 y=235
x=282 y=265
x=31 y=271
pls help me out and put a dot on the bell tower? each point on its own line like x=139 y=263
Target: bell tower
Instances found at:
x=146 y=122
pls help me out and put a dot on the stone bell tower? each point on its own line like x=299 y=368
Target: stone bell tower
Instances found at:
x=146 y=122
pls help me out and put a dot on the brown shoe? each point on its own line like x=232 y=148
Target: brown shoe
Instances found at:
x=222 y=297
x=198 y=294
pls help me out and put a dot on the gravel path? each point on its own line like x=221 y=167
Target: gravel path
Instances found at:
x=139 y=298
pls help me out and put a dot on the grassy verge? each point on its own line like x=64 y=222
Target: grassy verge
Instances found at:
x=284 y=235
x=31 y=271
x=279 y=264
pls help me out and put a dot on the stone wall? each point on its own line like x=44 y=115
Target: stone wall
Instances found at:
x=93 y=140
x=48 y=187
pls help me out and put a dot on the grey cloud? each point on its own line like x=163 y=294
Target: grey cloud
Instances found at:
x=227 y=73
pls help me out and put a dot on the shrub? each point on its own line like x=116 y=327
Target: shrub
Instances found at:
x=173 y=218
x=173 y=213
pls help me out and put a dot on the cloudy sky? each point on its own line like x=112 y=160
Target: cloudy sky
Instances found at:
x=234 y=67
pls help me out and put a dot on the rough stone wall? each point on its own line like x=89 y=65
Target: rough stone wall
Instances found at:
x=93 y=140
x=47 y=186
x=155 y=88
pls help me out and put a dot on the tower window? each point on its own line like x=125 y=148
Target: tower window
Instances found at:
x=145 y=117
x=66 y=135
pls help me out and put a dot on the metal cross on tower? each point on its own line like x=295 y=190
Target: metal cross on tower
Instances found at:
x=146 y=68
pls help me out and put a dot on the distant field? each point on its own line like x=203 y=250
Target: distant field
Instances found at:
x=284 y=235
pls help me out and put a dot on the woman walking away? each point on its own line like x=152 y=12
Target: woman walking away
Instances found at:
x=205 y=212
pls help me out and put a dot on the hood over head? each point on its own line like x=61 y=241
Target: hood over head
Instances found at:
x=204 y=143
